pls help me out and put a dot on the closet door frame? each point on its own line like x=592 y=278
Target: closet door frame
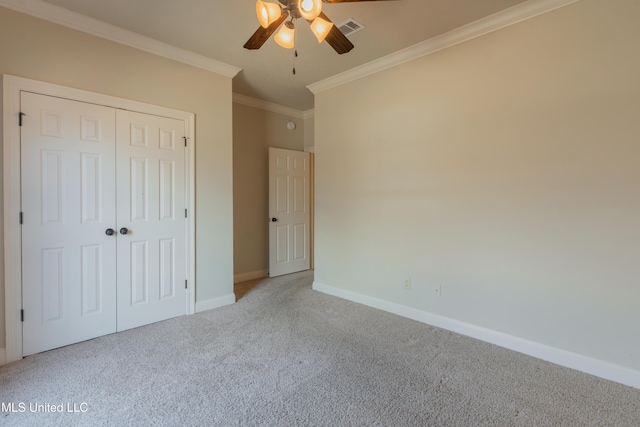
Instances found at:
x=12 y=87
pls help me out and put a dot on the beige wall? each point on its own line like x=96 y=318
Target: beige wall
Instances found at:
x=43 y=51
x=254 y=131
x=505 y=170
x=309 y=133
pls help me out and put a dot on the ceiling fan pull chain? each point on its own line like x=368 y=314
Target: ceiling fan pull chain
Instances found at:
x=295 y=53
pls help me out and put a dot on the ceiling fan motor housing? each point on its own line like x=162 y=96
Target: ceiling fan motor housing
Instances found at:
x=294 y=8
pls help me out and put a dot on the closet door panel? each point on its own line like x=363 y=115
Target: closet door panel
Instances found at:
x=68 y=203
x=151 y=219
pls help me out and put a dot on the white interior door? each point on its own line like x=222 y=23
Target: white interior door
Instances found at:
x=68 y=193
x=151 y=219
x=289 y=216
x=104 y=233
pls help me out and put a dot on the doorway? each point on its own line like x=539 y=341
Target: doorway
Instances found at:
x=104 y=195
x=289 y=211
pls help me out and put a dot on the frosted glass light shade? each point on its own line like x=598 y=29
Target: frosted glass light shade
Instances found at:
x=267 y=12
x=309 y=9
x=284 y=37
x=321 y=28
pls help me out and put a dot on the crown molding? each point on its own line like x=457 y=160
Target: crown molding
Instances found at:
x=77 y=21
x=269 y=106
x=502 y=19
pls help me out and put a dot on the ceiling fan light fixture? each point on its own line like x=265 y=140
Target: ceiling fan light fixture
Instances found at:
x=309 y=9
x=267 y=12
x=285 y=37
x=321 y=28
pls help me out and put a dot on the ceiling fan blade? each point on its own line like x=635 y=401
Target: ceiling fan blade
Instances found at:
x=350 y=1
x=262 y=34
x=338 y=41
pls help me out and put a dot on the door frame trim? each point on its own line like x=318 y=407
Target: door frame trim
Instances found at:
x=12 y=86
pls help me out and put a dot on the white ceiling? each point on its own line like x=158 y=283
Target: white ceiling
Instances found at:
x=219 y=28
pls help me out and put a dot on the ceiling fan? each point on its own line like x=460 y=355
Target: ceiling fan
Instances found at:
x=272 y=15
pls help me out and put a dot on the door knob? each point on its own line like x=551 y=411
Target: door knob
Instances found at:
x=274 y=219
x=124 y=230
x=110 y=232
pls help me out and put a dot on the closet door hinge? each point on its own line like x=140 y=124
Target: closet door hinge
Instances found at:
x=185 y=284
x=20 y=114
x=21 y=218
x=22 y=315
x=185 y=140
x=185 y=213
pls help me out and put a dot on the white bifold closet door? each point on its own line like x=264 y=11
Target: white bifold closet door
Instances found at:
x=103 y=235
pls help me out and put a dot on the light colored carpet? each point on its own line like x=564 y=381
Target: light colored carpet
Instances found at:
x=285 y=355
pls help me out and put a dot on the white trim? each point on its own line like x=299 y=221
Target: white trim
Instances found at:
x=560 y=357
x=243 y=277
x=267 y=106
x=12 y=86
x=191 y=214
x=12 y=235
x=213 y=303
x=310 y=149
x=505 y=18
x=309 y=114
x=3 y=356
x=58 y=15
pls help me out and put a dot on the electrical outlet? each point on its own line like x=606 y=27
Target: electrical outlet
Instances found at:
x=437 y=291
x=407 y=283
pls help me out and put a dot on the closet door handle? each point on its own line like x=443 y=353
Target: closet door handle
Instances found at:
x=124 y=231
x=110 y=232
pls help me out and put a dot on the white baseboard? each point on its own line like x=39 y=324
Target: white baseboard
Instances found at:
x=212 y=303
x=243 y=277
x=3 y=356
x=560 y=357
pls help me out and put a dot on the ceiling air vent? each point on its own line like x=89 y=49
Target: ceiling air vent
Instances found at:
x=350 y=26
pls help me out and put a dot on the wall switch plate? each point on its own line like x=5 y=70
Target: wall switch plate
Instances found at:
x=437 y=291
